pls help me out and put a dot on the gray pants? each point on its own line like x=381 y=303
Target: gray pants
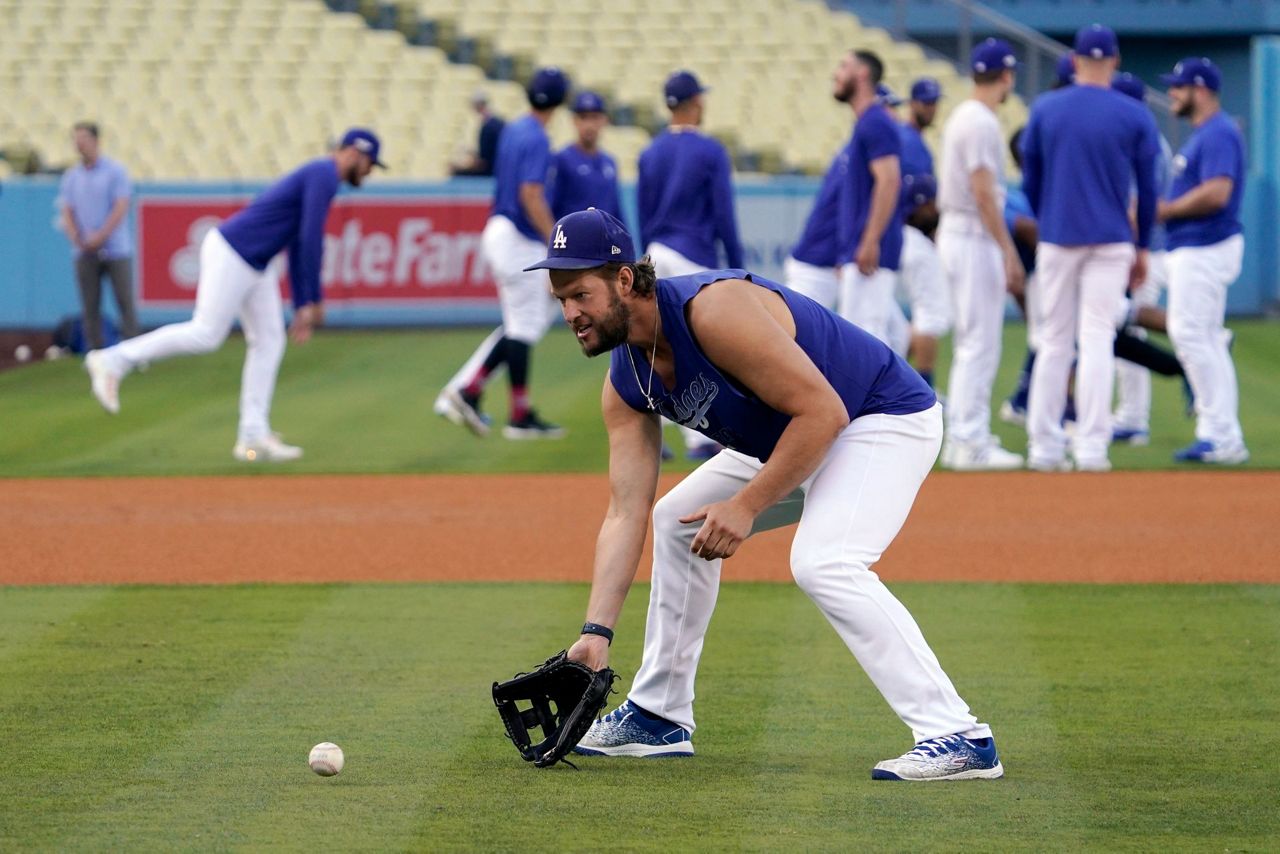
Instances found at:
x=89 y=272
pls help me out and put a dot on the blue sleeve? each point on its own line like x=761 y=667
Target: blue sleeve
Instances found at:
x=1032 y=165
x=535 y=162
x=305 y=253
x=645 y=202
x=555 y=190
x=1220 y=157
x=1144 y=170
x=722 y=207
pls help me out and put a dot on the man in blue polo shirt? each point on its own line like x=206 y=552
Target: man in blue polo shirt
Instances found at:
x=1085 y=149
x=238 y=283
x=585 y=175
x=1206 y=246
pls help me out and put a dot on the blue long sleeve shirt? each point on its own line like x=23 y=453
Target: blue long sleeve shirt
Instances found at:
x=1083 y=149
x=584 y=180
x=289 y=214
x=684 y=196
x=817 y=244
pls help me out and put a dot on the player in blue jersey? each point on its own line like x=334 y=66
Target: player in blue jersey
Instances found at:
x=237 y=283
x=923 y=106
x=513 y=237
x=810 y=269
x=585 y=175
x=1078 y=176
x=1206 y=247
x=822 y=424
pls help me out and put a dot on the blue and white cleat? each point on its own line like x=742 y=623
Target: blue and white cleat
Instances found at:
x=950 y=757
x=631 y=731
x=1131 y=436
x=1201 y=451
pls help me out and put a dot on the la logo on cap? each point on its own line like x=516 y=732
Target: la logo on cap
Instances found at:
x=560 y=242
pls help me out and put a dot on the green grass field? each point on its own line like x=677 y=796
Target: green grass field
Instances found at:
x=361 y=402
x=1129 y=718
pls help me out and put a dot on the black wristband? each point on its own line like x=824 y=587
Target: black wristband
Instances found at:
x=597 y=629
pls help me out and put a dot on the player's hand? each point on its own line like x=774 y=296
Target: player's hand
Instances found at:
x=591 y=650
x=93 y=242
x=725 y=525
x=1162 y=210
x=1138 y=272
x=1015 y=275
x=317 y=314
x=302 y=325
x=868 y=258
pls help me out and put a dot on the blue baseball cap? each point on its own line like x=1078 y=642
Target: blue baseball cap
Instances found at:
x=918 y=189
x=1065 y=70
x=885 y=95
x=587 y=239
x=1128 y=84
x=992 y=54
x=926 y=90
x=548 y=88
x=366 y=141
x=681 y=86
x=1097 y=42
x=1194 y=71
x=588 y=102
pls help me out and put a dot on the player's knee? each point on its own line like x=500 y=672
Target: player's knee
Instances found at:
x=269 y=341
x=206 y=338
x=667 y=513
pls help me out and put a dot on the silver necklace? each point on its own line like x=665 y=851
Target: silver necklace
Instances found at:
x=653 y=355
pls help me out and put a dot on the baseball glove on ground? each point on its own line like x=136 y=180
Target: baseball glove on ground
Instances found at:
x=564 y=698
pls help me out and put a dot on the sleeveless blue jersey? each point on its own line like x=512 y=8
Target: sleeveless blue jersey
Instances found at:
x=869 y=377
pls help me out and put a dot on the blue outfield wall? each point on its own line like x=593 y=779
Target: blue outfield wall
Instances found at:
x=37 y=288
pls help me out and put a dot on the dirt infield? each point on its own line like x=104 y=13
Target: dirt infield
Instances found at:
x=1120 y=527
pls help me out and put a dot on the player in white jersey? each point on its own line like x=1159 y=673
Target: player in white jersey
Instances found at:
x=979 y=258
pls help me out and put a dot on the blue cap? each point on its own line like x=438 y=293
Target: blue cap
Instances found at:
x=1065 y=70
x=681 y=86
x=548 y=88
x=1126 y=83
x=588 y=102
x=1097 y=42
x=991 y=55
x=366 y=141
x=587 y=239
x=885 y=95
x=1194 y=71
x=918 y=189
x=926 y=90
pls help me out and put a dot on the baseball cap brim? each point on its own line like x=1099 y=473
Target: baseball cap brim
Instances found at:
x=1174 y=80
x=564 y=263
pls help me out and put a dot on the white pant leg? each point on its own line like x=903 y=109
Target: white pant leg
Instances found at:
x=867 y=301
x=819 y=284
x=1104 y=275
x=262 y=319
x=528 y=309
x=1133 y=382
x=1198 y=280
x=925 y=283
x=667 y=262
x=975 y=272
x=898 y=333
x=1034 y=312
x=1057 y=277
x=849 y=511
x=225 y=280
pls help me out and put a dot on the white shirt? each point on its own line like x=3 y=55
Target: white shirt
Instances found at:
x=971 y=140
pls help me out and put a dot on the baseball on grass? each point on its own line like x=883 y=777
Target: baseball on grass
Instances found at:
x=22 y=353
x=326 y=759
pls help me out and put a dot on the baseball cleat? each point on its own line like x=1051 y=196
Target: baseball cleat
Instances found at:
x=104 y=381
x=1131 y=436
x=268 y=450
x=950 y=757
x=1201 y=451
x=1014 y=413
x=532 y=427
x=631 y=731
x=1034 y=464
x=984 y=456
x=1100 y=464
x=464 y=410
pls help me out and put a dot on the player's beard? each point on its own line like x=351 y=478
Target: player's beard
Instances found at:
x=1185 y=109
x=611 y=329
x=844 y=94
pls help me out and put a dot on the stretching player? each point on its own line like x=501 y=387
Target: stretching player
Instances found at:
x=585 y=175
x=237 y=283
x=513 y=237
x=869 y=223
x=1078 y=176
x=823 y=425
x=979 y=258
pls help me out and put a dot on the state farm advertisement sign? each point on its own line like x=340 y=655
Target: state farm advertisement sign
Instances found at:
x=376 y=250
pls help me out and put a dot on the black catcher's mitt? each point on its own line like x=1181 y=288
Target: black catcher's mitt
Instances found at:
x=564 y=698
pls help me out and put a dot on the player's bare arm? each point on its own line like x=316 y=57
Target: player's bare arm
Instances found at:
x=983 y=185
x=534 y=201
x=1205 y=199
x=635 y=448
x=884 y=200
x=749 y=334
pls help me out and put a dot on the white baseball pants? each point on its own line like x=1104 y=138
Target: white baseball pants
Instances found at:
x=868 y=302
x=1198 y=280
x=925 y=283
x=975 y=270
x=1083 y=288
x=849 y=512
x=528 y=309
x=820 y=284
x=667 y=262
x=228 y=289
x=1133 y=382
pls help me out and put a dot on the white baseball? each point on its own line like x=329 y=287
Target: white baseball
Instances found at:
x=326 y=759
x=22 y=353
